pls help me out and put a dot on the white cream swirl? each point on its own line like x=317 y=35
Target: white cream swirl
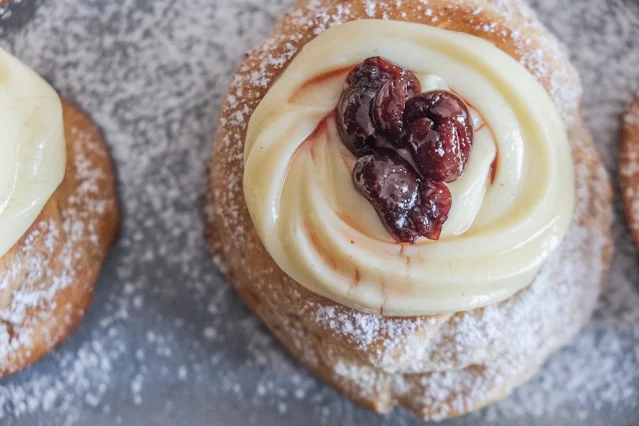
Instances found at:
x=32 y=147
x=503 y=224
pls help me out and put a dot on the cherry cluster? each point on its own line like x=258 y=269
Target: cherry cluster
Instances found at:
x=408 y=145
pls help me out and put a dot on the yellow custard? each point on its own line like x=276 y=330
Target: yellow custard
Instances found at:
x=326 y=236
x=32 y=147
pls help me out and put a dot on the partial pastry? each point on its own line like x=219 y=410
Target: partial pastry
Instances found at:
x=629 y=167
x=407 y=195
x=58 y=214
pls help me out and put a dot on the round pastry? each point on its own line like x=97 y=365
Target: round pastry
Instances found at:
x=406 y=193
x=629 y=167
x=58 y=215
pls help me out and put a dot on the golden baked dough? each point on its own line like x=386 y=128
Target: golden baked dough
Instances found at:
x=629 y=167
x=47 y=278
x=437 y=366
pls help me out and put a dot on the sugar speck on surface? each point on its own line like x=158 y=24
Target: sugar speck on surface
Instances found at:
x=182 y=372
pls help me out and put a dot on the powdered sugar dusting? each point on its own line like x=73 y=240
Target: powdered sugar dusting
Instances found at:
x=152 y=76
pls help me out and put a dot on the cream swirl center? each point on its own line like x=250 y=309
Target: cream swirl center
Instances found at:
x=510 y=209
x=32 y=147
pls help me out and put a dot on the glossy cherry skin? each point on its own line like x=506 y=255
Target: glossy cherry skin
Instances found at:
x=372 y=104
x=439 y=133
x=409 y=145
x=408 y=207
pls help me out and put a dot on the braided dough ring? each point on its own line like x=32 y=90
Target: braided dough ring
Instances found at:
x=437 y=366
x=47 y=278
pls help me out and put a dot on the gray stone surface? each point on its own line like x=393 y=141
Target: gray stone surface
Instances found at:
x=166 y=342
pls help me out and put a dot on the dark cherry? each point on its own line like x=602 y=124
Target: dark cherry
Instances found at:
x=374 y=72
x=354 y=121
x=408 y=145
x=391 y=186
x=430 y=214
x=408 y=207
x=439 y=133
x=388 y=109
x=372 y=104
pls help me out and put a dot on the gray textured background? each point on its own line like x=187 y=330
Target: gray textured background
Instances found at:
x=166 y=341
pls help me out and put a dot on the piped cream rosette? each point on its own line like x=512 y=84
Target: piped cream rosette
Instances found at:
x=32 y=147
x=510 y=209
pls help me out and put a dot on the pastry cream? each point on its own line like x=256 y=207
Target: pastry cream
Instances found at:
x=32 y=147
x=510 y=209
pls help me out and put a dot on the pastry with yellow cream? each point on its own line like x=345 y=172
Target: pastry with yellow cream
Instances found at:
x=406 y=193
x=58 y=214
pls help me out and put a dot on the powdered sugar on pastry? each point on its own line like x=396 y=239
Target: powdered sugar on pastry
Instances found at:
x=396 y=361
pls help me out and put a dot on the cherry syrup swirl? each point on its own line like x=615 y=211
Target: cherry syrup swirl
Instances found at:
x=408 y=144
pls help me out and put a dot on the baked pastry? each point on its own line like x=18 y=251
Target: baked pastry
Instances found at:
x=393 y=194
x=629 y=167
x=58 y=214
